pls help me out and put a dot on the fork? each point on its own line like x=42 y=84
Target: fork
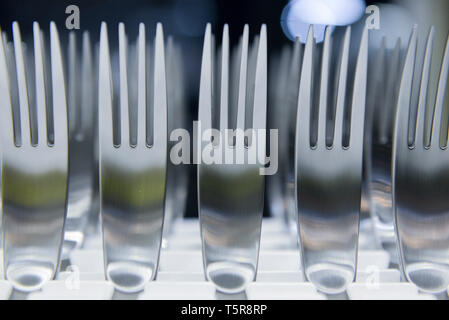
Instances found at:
x=282 y=116
x=82 y=166
x=328 y=177
x=420 y=176
x=132 y=166
x=383 y=81
x=34 y=163
x=230 y=196
x=177 y=173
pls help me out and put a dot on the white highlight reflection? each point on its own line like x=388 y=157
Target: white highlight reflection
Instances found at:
x=299 y=14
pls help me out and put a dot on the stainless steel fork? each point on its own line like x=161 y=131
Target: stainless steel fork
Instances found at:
x=133 y=158
x=34 y=163
x=383 y=79
x=231 y=193
x=328 y=177
x=82 y=88
x=177 y=173
x=281 y=193
x=420 y=172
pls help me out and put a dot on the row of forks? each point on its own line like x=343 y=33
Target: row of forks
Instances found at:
x=50 y=156
x=59 y=168
x=405 y=165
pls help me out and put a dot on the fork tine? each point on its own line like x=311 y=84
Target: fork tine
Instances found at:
x=341 y=88
x=375 y=79
x=234 y=79
x=293 y=67
x=439 y=102
x=40 y=85
x=105 y=90
x=160 y=90
x=4 y=38
x=72 y=83
x=324 y=82
x=22 y=87
x=5 y=109
x=386 y=114
x=141 y=88
x=241 y=102
x=224 y=90
x=48 y=88
x=422 y=101
x=205 y=96
x=87 y=84
x=124 y=102
x=250 y=85
x=260 y=90
x=359 y=94
x=405 y=90
x=58 y=88
x=305 y=94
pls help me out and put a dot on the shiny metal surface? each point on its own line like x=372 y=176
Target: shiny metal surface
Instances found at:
x=281 y=192
x=34 y=161
x=177 y=174
x=82 y=100
x=421 y=177
x=231 y=195
x=328 y=177
x=133 y=157
x=383 y=83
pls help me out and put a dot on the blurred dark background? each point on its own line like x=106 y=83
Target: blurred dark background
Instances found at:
x=185 y=20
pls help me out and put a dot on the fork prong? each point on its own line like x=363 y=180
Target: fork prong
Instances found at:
x=58 y=88
x=22 y=87
x=441 y=92
x=241 y=101
x=405 y=90
x=422 y=100
x=250 y=86
x=4 y=38
x=205 y=96
x=40 y=85
x=375 y=79
x=160 y=90
x=260 y=90
x=124 y=102
x=386 y=113
x=359 y=94
x=87 y=84
x=287 y=95
x=305 y=94
x=341 y=88
x=324 y=82
x=293 y=67
x=105 y=90
x=6 y=116
x=72 y=83
x=224 y=82
x=141 y=87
